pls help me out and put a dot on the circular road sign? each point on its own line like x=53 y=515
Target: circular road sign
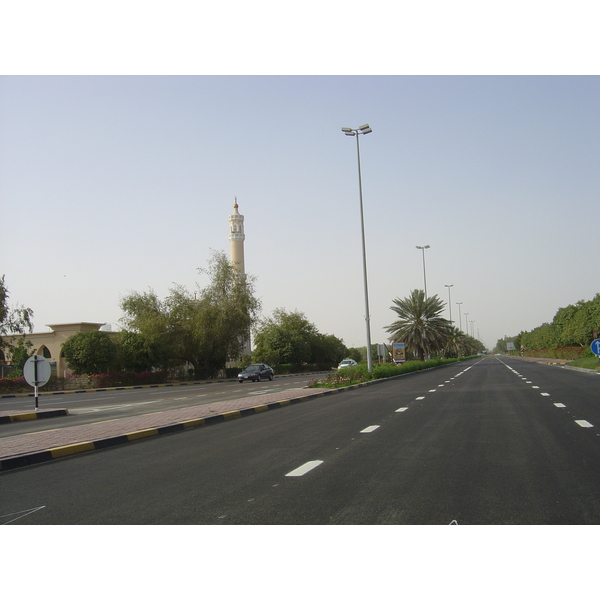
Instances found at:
x=595 y=346
x=36 y=371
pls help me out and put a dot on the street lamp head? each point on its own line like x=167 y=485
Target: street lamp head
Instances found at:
x=364 y=129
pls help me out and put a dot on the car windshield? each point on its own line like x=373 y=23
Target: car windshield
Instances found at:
x=252 y=368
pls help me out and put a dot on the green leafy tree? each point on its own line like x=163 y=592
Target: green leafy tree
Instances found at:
x=90 y=353
x=136 y=353
x=284 y=338
x=539 y=338
x=578 y=322
x=420 y=324
x=205 y=328
x=289 y=337
x=13 y=321
x=20 y=353
x=327 y=349
x=357 y=354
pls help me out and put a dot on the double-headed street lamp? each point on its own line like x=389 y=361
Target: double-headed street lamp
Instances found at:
x=423 y=248
x=459 y=318
x=363 y=129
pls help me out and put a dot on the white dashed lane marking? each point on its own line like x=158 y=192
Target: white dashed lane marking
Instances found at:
x=559 y=405
x=402 y=409
x=370 y=429
x=583 y=423
x=305 y=468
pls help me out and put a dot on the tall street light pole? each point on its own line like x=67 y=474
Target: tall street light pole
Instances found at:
x=449 y=301
x=466 y=323
x=459 y=319
x=363 y=130
x=423 y=248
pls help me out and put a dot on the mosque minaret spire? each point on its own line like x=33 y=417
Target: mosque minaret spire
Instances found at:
x=236 y=239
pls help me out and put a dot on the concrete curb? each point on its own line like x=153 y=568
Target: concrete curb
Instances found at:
x=562 y=365
x=41 y=414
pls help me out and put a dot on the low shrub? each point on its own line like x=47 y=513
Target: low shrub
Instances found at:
x=562 y=352
x=360 y=373
x=127 y=378
x=14 y=385
x=589 y=362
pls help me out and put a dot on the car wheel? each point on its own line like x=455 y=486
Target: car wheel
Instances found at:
x=270 y=377
x=259 y=378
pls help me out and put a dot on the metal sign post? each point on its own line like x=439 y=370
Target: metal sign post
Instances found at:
x=37 y=372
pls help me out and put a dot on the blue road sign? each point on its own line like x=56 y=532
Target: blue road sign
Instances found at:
x=595 y=346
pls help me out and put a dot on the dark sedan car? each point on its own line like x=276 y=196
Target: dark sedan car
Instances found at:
x=256 y=373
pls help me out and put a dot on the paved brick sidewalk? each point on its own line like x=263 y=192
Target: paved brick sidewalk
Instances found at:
x=46 y=445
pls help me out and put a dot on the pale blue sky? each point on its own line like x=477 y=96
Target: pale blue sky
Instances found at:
x=117 y=184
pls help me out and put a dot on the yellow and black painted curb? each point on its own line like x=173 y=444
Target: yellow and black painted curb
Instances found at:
x=44 y=414
x=41 y=456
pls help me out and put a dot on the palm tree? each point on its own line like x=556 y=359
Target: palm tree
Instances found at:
x=420 y=326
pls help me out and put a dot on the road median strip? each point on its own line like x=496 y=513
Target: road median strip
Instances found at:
x=31 y=416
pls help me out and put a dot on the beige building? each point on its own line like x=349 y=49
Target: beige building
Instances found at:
x=49 y=345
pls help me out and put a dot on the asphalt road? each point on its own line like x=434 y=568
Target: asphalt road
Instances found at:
x=490 y=441
x=91 y=407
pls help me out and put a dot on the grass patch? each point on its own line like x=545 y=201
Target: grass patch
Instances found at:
x=360 y=373
x=591 y=362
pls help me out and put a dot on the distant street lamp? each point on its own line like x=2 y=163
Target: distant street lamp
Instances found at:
x=459 y=319
x=466 y=323
x=449 y=301
x=423 y=248
x=363 y=129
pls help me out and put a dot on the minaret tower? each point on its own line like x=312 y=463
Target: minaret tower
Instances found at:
x=236 y=239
